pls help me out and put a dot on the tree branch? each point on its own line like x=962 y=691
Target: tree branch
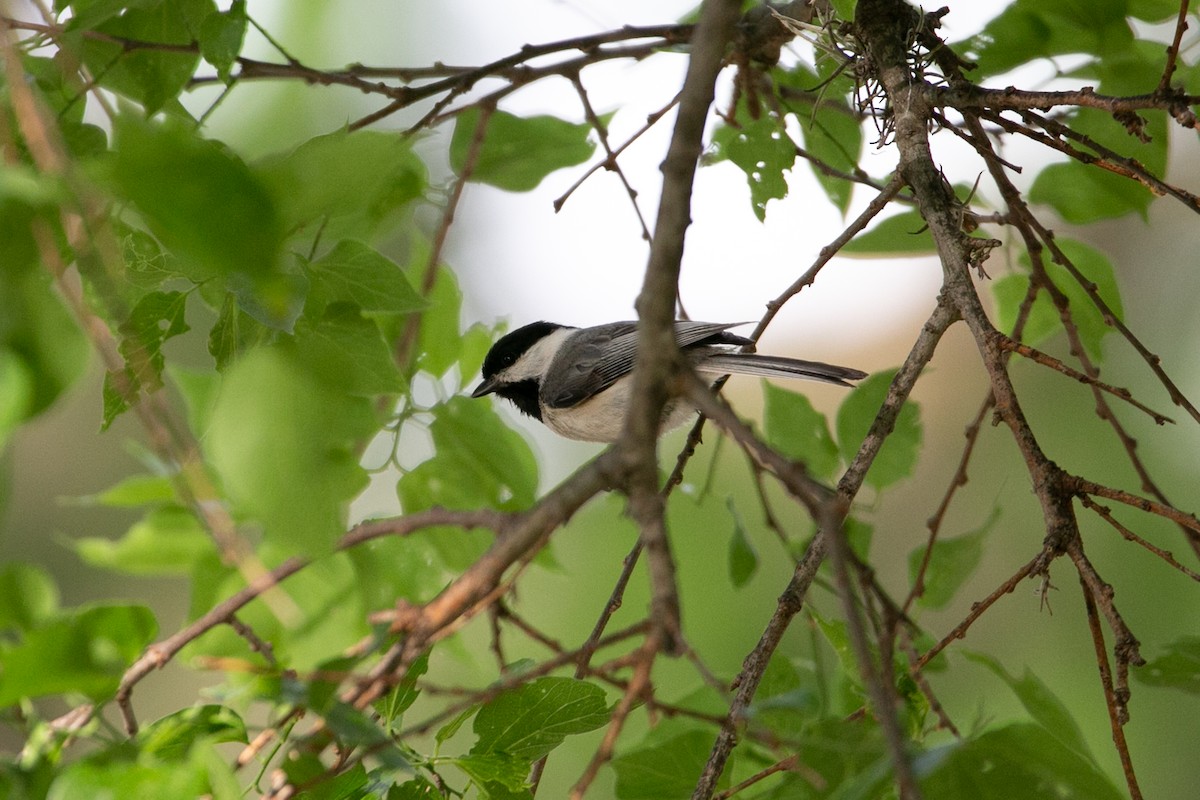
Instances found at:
x=658 y=355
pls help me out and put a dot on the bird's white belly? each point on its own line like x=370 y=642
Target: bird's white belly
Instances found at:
x=602 y=418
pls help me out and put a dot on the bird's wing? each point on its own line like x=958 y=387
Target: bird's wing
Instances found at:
x=587 y=365
x=688 y=333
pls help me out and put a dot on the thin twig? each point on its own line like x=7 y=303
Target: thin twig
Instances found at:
x=957 y=481
x=610 y=162
x=1050 y=361
x=1117 y=712
x=658 y=355
x=637 y=685
x=1106 y=514
x=959 y=631
x=412 y=325
x=1181 y=25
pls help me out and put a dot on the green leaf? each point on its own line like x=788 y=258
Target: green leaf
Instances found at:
x=353 y=728
x=167 y=541
x=447 y=731
x=786 y=701
x=199 y=389
x=484 y=768
x=499 y=459
x=1022 y=760
x=419 y=788
x=86 y=14
x=951 y=563
x=531 y=720
x=221 y=36
x=476 y=342
x=62 y=89
x=835 y=633
x=832 y=130
x=212 y=212
x=844 y=9
x=157 y=317
x=1177 y=668
x=151 y=76
x=347 y=351
x=1031 y=29
x=498 y=791
x=799 y=431
x=665 y=771
x=24 y=184
x=309 y=771
x=147 y=265
x=1041 y=704
x=107 y=777
x=274 y=301
x=133 y=491
x=356 y=273
x=16 y=219
x=898 y=456
x=761 y=149
x=115 y=401
x=1081 y=193
x=859 y=535
x=440 y=342
x=448 y=481
x=1095 y=193
x=391 y=709
x=85 y=141
x=518 y=152
x=171 y=737
x=1153 y=10
x=395 y=568
x=743 y=561
x=16 y=393
x=827 y=139
x=1044 y=320
x=848 y=759
x=285 y=446
x=64 y=92
x=233 y=333
x=85 y=651
x=347 y=183
x=1130 y=70
x=38 y=329
x=28 y=596
x=900 y=234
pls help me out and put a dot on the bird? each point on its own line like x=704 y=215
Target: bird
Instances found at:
x=578 y=381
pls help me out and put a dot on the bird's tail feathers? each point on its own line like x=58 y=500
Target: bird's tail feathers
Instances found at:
x=779 y=367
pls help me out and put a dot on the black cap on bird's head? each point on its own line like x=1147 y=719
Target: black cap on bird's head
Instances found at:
x=522 y=391
x=507 y=349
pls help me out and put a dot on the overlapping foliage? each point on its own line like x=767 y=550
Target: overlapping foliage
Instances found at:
x=269 y=321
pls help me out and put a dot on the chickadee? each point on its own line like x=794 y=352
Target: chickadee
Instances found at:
x=577 y=381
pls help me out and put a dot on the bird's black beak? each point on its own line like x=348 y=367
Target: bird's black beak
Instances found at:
x=487 y=387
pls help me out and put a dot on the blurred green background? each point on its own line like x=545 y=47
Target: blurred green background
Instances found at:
x=517 y=259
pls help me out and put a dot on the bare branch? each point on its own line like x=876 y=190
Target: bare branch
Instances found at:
x=1053 y=363
x=658 y=355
